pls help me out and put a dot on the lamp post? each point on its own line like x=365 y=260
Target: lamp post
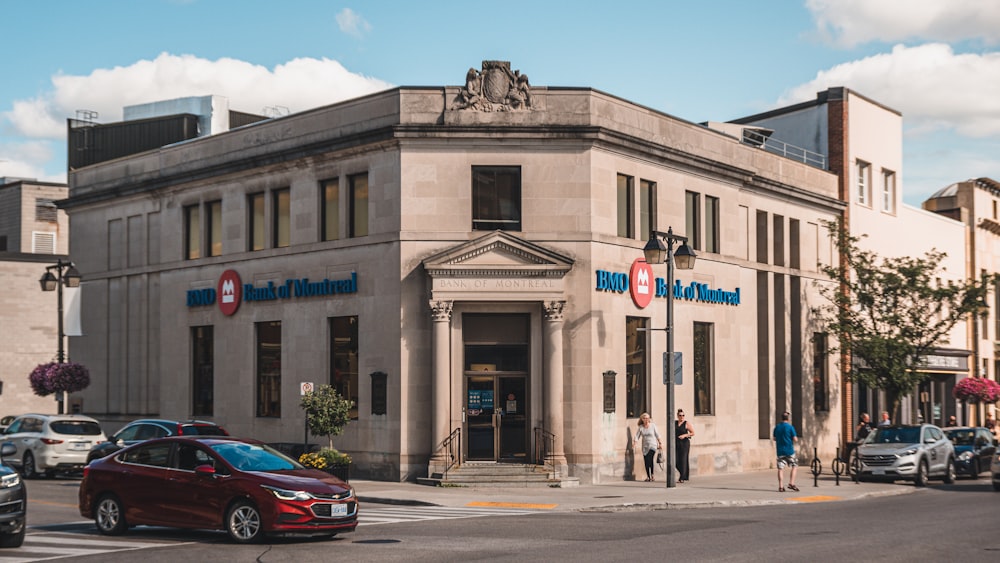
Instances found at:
x=66 y=275
x=658 y=253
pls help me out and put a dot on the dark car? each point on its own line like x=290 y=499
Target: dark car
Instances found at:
x=974 y=449
x=13 y=502
x=149 y=428
x=244 y=487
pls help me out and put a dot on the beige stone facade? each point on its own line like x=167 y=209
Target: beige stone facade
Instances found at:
x=432 y=291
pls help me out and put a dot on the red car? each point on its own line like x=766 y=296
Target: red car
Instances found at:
x=214 y=482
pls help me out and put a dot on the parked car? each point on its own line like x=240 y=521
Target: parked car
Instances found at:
x=995 y=472
x=149 y=428
x=244 y=487
x=13 y=501
x=975 y=448
x=5 y=421
x=913 y=452
x=47 y=443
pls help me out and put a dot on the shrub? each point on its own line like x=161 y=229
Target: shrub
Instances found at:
x=324 y=458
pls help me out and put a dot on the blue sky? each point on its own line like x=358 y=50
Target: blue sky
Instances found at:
x=936 y=61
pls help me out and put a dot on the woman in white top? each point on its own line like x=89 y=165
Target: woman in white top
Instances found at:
x=649 y=438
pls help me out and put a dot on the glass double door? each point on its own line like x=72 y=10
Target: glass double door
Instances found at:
x=496 y=407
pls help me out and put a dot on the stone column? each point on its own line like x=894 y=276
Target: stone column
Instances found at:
x=440 y=385
x=552 y=351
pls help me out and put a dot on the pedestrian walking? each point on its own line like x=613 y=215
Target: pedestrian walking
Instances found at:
x=649 y=439
x=682 y=445
x=784 y=441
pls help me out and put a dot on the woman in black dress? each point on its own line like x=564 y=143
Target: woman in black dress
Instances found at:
x=683 y=445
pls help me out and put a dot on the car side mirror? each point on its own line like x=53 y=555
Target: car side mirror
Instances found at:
x=929 y=440
x=206 y=470
x=120 y=443
x=7 y=449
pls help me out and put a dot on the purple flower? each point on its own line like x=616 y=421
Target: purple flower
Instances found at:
x=39 y=380
x=54 y=377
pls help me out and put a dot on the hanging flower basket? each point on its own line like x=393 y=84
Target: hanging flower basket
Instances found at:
x=977 y=390
x=54 y=377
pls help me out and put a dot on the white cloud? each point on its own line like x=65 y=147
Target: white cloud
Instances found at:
x=351 y=23
x=851 y=22
x=931 y=85
x=28 y=160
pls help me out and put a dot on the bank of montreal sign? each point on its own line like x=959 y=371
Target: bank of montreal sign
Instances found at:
x=639 y=282
x=230 y=291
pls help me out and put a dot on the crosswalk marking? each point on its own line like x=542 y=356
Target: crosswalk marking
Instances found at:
x=370 y=516
x=43 y=546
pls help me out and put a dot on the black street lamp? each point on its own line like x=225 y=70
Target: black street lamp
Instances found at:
x=657 y=253
x=66 y=275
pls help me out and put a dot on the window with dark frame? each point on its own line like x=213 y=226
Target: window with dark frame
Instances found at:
x=282 y=218
x=636 y=366
x=380 y=392
x=268 y=369
x=255 y=222
x=704 y=368
x=821 y=377
x=647 y=209
x=213 y=214
x=330 y=209
x=626 y=207
x=202 y=370
x=344 y=359
x=192 y=232
x=358 y=185
x=496 y=198
x=711 y=224
x=692 y=219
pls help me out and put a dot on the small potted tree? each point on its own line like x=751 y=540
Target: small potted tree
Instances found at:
x=327 y=413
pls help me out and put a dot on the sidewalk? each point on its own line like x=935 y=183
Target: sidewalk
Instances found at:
x=737 y=489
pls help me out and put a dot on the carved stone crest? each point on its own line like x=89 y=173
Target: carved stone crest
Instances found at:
x=494 y=88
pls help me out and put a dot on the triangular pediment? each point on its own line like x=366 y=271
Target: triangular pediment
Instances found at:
x=498 y=254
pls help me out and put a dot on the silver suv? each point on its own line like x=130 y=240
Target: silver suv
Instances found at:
x=47 y=443
x=913 y=452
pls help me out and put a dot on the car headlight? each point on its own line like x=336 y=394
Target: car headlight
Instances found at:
x=8 y=481
x=911 y=451
x=965 y=456
x=285 y=494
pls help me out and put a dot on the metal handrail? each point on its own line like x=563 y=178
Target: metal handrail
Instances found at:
x=544 y=447
x=784 y=149
x=453 y=445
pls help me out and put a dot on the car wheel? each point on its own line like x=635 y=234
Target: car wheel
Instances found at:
x=14 y=539
x=996 y=486
x=109 y=516
x=920 y=479
x=243 y=522
x=28 y=466
x=949 y=472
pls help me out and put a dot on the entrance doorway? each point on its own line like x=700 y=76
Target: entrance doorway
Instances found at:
x=496 y=401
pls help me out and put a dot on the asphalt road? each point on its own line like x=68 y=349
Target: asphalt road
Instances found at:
x=940 y=523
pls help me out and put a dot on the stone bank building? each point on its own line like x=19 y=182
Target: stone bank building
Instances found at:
x=465 y=264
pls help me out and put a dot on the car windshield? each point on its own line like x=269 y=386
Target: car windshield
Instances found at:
x=892 y=435
x=254 y=457
x=962 y=437
x=75 y=427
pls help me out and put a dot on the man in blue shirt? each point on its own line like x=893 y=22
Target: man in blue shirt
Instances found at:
x=785 y=439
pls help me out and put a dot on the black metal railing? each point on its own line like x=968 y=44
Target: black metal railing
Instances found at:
x=545 y=445
x=452 y=445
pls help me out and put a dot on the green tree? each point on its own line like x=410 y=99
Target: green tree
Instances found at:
x=890 y=313
x=327 y=412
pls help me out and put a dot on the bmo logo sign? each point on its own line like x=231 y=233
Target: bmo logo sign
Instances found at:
x=640 y=279
x=230 y=291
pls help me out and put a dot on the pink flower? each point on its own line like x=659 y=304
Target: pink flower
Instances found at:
x=977 y=390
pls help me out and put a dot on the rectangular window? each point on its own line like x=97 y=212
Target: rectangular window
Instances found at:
x=192 y=232
x=692 y=219
x=704 y=368
x=358 y=205
x=647 y=209
x=636 y=366
x=794 y=244
x=269 y=369
x=282 y=217
x=864 y=183
x=711 y=224
x=330 y=209
x=255 y=220
x=984 y=320
x=496 y=198
x=821 y=379
x=202 y=371
x=888 y=191
x=778 y=238
x=344 y=359
x=996 y=306
x=213 y=211
x=626 y=206
x=762 y=237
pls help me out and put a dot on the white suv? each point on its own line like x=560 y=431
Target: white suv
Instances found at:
x=47 y=443
x=914 y=452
